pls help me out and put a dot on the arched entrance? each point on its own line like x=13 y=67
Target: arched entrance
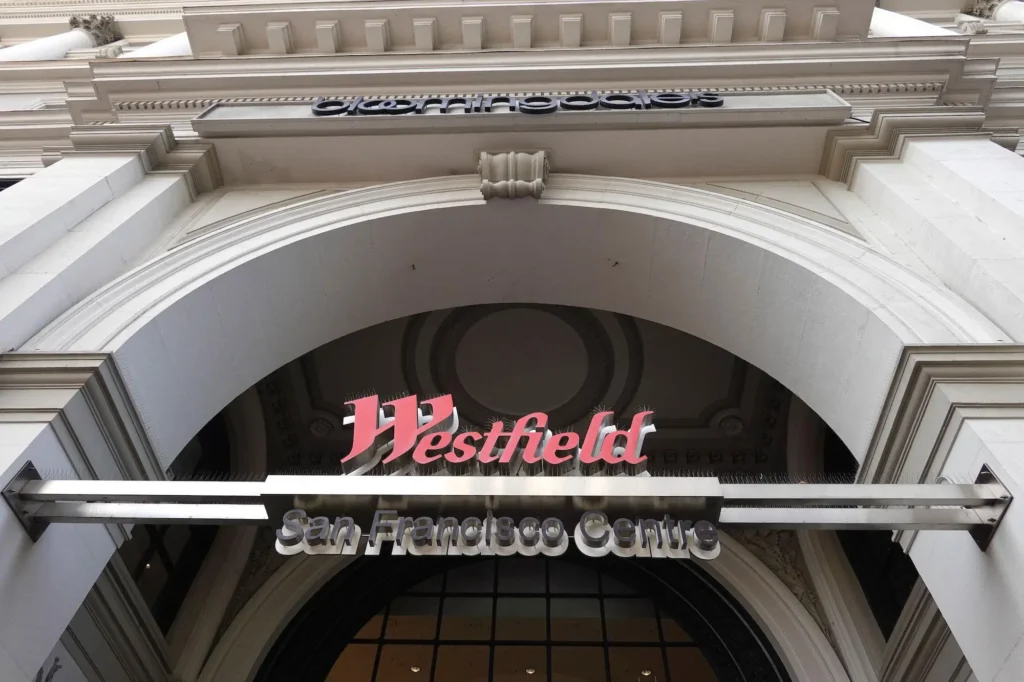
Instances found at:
x=570 y=619
x=819 y=311
x=713 y=412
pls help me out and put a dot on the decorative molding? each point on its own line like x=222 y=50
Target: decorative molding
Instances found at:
x=795 y=630
x=570 y=30
x=888 y=131
x=267 y=598
x=670 y=28
x=779 y=551
x=800 y=239
x=971 y=27
x=933 y=387
x=279 y=37
x=898 y=304
x=156 y=145
x=747 y=109
x=772 y=26
x=720 y=23
x=522 y=32
x=983 y=9
x=378 y=37
x=103 y=29
x=114 y=630
x=854 y=631
x=825 y=22
x=512 y=175
x=919 y=638
x=425 y=33
x=473 y=33
x=1007 y=137
x=620 y=27
x=109 y=51
x=842 y=89
x=202 y=616
x=231 y=39
x=328 y=36
x=83 y=397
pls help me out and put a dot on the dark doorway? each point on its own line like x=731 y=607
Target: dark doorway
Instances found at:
x=570 y=619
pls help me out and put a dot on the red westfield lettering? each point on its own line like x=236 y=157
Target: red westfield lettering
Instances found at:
x=386 y=432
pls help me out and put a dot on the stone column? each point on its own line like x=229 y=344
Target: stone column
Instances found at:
x=886 y=24
x=1011 y=10
x=174 y=46
x=85 y=32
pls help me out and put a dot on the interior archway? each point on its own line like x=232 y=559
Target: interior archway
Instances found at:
x=814 y=308
x=404 y=619
x=714 y=413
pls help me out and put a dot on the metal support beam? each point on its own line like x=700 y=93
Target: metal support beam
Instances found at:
x=976 y=507
x=803 y=518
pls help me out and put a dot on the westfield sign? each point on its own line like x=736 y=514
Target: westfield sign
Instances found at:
x=409 y=434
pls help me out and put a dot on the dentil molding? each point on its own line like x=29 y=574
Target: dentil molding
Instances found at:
x=513 y=175
x=855 y=90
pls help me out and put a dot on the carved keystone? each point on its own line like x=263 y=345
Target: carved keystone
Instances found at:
x=512 y=175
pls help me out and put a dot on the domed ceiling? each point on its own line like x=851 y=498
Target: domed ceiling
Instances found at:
x=712 y=410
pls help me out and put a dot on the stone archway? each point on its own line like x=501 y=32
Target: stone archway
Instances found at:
x=818 y=310
x=802 y=647
x=196 y=326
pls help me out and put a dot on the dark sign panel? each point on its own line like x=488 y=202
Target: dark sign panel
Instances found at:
x=533 y=104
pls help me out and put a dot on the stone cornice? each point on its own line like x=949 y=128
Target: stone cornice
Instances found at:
x=930 y=385
x=845 y=90
x=83 y=398
x=796 y=58
x=156 y=145
x=747 y=110
x=885 y=136
x=384 y=26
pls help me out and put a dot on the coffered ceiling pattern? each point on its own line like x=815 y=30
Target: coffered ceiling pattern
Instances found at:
x=712 y=410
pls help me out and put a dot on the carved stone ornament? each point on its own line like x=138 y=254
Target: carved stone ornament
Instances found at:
x=321 y=428
x=512 y=175
x=109 y=51
x=780 y=552
x=103 y=29
x=983 y=9
x=972 y=27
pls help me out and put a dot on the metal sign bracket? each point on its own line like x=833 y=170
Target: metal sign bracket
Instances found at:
x=24 y=509
x=993 y=513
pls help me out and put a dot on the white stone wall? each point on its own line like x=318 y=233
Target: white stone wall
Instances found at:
x=946 y=218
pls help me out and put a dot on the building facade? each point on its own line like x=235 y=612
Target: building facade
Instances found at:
x=794 y=229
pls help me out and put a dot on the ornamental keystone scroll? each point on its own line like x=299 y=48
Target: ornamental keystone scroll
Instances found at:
x=512 y=175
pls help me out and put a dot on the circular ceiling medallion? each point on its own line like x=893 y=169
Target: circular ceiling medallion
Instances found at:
x=518 y=360
x=504 y=361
